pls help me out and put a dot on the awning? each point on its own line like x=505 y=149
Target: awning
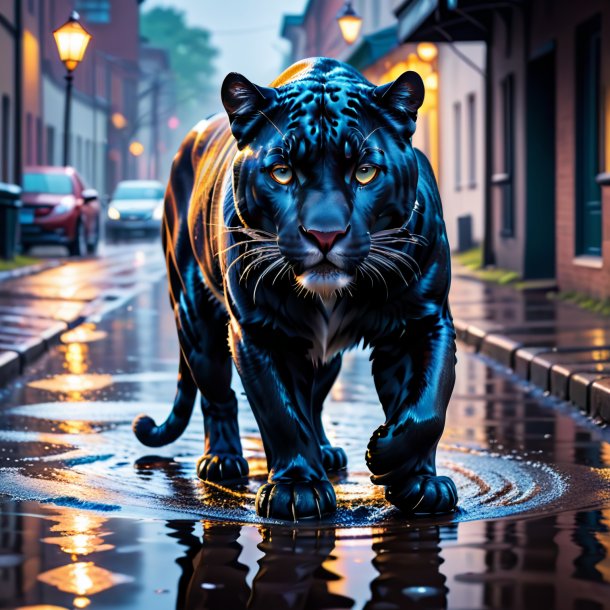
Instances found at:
x=450 y=20
x=373 y=47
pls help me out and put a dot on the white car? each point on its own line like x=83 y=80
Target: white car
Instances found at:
x=136 y=205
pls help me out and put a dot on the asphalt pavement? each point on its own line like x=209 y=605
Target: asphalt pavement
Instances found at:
x=91 y=518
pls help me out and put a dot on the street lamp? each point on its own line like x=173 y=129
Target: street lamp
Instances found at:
x=350 y=22
x=427 y=51
x=71 y=40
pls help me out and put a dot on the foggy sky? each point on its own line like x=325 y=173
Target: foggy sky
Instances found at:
x=246 y=32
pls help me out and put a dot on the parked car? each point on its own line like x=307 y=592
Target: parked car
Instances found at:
x=58 y=208
x=136 y=205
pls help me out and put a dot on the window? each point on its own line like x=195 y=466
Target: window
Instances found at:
x=587 y=125
x=126 y=191
x=508 y=135
x=5 y=136
x=50 y=145
x=29 y=144
x=94 y=11
x=39 y=141
x=52 y=184
x=457 y=143
x=472 y=140
x=79 y=153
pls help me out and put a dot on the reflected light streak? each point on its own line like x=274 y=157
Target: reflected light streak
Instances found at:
x=70 y=426
x=86 y=333
x=73 y=386
x=80 y=544
x=83 y=578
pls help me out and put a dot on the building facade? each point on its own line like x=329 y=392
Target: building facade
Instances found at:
x=109 y=94
x=547 y=162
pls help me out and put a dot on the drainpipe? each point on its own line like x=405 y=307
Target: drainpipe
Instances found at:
x=18 y=84
x=489 y=257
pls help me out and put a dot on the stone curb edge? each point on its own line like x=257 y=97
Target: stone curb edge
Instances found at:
x=588 y=391
x=29 y=270
x=13 y=363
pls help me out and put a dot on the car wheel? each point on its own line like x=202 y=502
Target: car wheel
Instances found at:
x=94 y=238
x=78 y=246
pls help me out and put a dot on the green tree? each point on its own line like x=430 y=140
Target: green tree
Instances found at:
x=191 y=55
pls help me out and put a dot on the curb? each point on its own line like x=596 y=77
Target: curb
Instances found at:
x=29 y=270
x=579 y=375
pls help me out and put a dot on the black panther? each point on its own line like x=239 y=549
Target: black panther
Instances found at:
x=300 y=226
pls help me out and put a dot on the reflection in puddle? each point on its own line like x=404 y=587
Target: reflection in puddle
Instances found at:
x=85 y=333
x=72 y=385
x=80 y=534
x=100 y=473
x=83 y=578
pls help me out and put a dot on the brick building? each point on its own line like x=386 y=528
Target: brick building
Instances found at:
x=107 y=96
x=547 y=130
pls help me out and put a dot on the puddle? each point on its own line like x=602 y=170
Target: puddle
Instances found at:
x=106 y=470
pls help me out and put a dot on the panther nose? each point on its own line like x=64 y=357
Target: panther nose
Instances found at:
x=325 y=240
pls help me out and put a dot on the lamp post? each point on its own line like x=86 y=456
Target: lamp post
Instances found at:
x=71 y=40
x=350 y=22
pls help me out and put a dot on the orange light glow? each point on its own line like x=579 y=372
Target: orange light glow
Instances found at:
x=427 y=51
x=72 y=40
x=350 y=23
x=118 y=120
x=82 y=578
x=136 y=148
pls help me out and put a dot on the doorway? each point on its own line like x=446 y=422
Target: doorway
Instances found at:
x=540 y=174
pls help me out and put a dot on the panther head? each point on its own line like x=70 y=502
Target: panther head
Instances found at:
x=325 y=164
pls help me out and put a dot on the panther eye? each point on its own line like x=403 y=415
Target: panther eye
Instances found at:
x=282 y=174
x=366 y=173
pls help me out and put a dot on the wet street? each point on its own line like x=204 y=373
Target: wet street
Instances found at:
x=91 y=518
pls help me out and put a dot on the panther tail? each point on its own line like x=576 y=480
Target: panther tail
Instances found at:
x=151 y=435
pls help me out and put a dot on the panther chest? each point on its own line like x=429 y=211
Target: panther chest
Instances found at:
x=332 y=331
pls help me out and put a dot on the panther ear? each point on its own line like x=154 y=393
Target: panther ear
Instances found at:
x=244 y=101
x=405 y=94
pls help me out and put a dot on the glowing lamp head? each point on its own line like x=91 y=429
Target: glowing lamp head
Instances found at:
x=71 y=40
x=136 y=148
x=118 y=120
x=427 y=51
x=349 y=22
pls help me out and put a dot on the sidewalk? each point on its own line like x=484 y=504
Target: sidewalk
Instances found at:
x=559 y=347
x=36 y=309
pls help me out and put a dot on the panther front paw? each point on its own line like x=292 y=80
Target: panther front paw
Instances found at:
x=333 y=458
x=217 y=467
x=296 y=501
x=424 y=494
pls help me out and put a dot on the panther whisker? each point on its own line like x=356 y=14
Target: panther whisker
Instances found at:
x=374 y=269
x=262 y=275
x=278 y=129
x=389 y=265
x=390 y=238
x=365 y=272
x=244 y=255
x=394 y=256
x=386 y=233
x=243 y=243
x=245 y=230
x=280 y=272
x=401 y=254
x=255 y=263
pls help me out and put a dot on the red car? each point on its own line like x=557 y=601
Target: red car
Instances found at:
x=58 y=208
